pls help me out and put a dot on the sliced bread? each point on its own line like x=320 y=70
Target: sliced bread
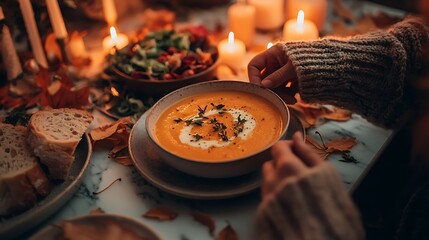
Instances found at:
x=22 y=180
x=54 y=135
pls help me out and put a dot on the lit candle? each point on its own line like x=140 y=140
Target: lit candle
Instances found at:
x=56 y=18
x=300 y=29
x=33 y=33
x=241 y=20
x=315 y=10
x=110 y=14
x=268 y=13
x=232 y=52
x=8 y=53
x=269 y=45
x=115 y=40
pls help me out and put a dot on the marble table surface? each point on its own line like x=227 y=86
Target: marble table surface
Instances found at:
x=133 y=195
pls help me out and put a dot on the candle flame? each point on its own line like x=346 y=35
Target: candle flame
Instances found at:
x=114 y=91
x=113 y=34
x=269 y=45
x=300 y=21
x=231 y=38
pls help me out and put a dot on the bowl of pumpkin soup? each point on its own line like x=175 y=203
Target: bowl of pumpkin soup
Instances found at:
x=217 y=129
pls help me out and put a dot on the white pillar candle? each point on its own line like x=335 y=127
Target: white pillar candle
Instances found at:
x=109 y=10
x=241 y=20
x=268 y=13
x=115 y=40
x=315 y=10
x=300 y=29
x=232 y=52
x=33 y=33
x=56 y=18
x=10 y=57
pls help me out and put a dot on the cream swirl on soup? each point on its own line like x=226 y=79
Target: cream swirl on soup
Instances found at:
x=218 y=125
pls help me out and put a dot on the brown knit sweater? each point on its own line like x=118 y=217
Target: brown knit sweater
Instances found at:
x=366 y=74
x=312 y=206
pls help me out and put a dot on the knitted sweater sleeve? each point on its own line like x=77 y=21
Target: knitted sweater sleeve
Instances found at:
x=313 y=206
x=364 y=73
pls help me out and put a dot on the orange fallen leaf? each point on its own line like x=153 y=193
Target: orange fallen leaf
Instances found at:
x=227 y=233
x=108 y=130
x=161 y=214
x=317 y=148
x=340 y=145
x=308 y=114
x=338 y=115
x=96 y=211
x=117 y=135
x=334 y=146
x=124 y=160
x=97 y=229
x=205 y=220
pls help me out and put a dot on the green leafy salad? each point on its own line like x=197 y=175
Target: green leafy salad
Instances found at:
x=166 y=55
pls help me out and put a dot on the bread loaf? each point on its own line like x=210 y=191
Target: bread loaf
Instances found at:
x=22 y=180
x=54 y=135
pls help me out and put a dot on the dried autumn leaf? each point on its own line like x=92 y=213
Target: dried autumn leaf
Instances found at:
x=8 y=101
x=96 y=211
x=161 y=214
x=338 y=115
x=124 y=160
x=205 y=220
x=308 y=114
x=116 y=134
x=108 y=130
x=337 y=145
x=97 y=229
x=317 y=148
x=340 y=145
x=306 y=119
x=227 y=233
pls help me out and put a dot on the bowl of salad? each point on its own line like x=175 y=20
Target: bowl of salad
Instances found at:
x=165 y=60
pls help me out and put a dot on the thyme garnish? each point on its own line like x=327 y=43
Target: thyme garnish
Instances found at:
x=239 y=125
x=197 y=137
x=178 y=120
x=201 y=111
x=223 y=136
x=218 y=107
x=195 y=121
x=219 y=126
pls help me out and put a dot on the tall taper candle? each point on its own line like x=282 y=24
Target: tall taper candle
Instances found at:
x=109 y=10
x=8 y=53
x=56 y=18
x=33 y=33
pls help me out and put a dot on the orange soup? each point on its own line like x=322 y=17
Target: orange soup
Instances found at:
x=218 y=126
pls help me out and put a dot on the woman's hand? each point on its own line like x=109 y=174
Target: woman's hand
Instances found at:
x=273 y=69
x=291 y=158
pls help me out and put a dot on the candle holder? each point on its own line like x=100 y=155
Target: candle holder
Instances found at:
x=62 y=43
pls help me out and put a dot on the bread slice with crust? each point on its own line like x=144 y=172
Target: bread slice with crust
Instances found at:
x=22 y=180
x=54 y=135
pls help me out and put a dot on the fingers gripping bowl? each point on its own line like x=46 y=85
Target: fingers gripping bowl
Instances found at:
x=217 y=129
